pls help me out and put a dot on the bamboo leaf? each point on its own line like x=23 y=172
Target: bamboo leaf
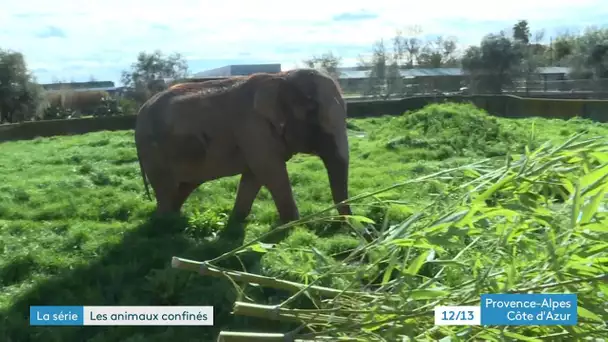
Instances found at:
x=415 y=266
x=584 y=313
x=390 y=268
x=591 y=208
x=427 y=294
x=520 y=337
x=361 y=219
x=447 y=263
x=596 y=227
x=576 y=205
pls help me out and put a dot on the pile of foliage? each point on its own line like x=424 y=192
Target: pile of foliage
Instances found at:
x=452 y=129
x=537 y=223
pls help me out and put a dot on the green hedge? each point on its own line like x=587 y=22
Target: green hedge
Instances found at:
x=498 y=105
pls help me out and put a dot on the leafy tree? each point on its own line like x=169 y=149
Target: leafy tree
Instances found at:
x=21 y=98
x=327 y=62
x=407 y=48
x=586 y=53
x=437 y=53
x=407 y=51
x=150 y=73
x=532 y=50
x=563 y=47
x=384 y=77
x=521 y=32
x=492 y=65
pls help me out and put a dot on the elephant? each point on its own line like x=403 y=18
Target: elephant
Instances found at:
x=196 y=132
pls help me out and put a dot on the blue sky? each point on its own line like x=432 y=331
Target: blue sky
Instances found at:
x=72 y=40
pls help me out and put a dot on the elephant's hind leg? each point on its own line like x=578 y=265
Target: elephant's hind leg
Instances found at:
x=184 y=190
x=165 y=189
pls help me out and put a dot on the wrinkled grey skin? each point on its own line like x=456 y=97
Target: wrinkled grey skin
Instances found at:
x=197 y=132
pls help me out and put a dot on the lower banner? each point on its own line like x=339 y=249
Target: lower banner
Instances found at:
x=529 y=309
x=121 y=315
x=513 y=309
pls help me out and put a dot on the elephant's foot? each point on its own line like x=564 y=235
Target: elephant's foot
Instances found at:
x=276 y=236
x=234 y=229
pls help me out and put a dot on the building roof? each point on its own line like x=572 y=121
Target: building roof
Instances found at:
x=239 y=70
x=407 y=73
x=92 y=85
x=553 y=70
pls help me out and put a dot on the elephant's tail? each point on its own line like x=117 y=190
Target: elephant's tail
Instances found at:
x=143 y=176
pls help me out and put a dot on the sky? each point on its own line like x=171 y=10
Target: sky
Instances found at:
x=69 y=40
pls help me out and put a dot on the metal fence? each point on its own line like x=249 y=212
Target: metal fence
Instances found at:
x=383 y=88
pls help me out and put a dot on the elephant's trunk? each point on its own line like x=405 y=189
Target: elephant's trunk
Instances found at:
x=336 y=161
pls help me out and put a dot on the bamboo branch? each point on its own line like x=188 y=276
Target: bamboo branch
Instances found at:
x=276 y=313
x=205 y=269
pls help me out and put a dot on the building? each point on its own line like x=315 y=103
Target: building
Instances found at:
x=549 y=79
x=355 y=80
x=427 y=80
x=238 y=70
x=417 y=80
x=107 y=86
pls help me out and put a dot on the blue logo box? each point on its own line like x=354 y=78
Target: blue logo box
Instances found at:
x=56 y=315
x=529 y=309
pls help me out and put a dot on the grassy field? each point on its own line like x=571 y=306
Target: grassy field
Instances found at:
x=76 y=228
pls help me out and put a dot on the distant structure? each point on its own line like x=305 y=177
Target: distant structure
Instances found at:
x=107 y=86
x=238 y=70
x=354 y=80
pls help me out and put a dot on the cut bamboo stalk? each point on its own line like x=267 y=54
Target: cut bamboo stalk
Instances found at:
x=234 y=336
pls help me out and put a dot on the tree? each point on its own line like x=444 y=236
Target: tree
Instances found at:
x=327 y=62
x=521 y=32
x=407 y=48
x=563 y=47
x=531 y=48
x=384 y=77
x=493 y=64
x=585 y=53
x=437 y=53
x=21 y=98
x=150 y=73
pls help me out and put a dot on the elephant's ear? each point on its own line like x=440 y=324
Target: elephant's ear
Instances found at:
x=266 y=101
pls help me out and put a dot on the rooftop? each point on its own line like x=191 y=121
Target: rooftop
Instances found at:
x=239 y=70
x=92 y=85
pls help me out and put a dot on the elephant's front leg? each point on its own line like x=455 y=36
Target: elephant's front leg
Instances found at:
x=248 y=189
x=275 y=178
x=265 y=157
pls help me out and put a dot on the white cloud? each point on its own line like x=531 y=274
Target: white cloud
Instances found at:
x=104 y=37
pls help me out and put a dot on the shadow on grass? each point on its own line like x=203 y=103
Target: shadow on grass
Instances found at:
x=136 y=271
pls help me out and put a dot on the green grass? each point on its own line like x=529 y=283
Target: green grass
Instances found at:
x=76 y=229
